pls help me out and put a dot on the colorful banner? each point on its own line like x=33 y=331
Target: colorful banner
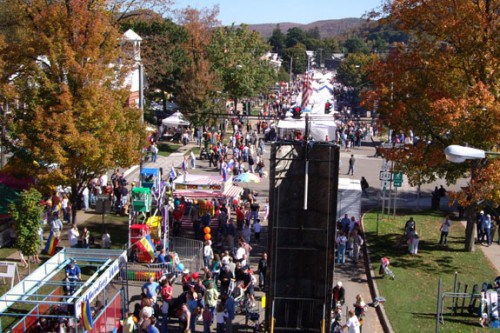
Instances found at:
x=87 y=321
x=146 y=245
x=51 y=245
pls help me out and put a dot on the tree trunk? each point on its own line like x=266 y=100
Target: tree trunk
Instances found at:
x=469 y=229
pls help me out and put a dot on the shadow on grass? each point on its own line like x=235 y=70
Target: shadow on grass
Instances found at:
x=167 y=148
x=400 y=257
x=465 y=318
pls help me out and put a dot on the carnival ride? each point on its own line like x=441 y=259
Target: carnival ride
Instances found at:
x=39 y=303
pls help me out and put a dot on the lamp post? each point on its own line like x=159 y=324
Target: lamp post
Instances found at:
x=459 y=154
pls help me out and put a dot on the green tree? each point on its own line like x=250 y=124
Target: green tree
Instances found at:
x=72 y=122
x=236 y=55
x=277 y=40
x=27 y=212
x=162 y=53
x=295 y=36
x=355 y=45
x=353 y=72
x=444 y=87
x=298 y=57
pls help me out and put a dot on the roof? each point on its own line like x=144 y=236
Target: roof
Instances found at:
x=131 y=35
x=150 y=171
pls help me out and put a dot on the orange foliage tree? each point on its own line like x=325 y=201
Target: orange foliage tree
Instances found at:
x=443 y=85
x=199 y=84
x=72 y=122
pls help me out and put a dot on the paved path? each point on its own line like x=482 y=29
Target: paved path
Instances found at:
x=353 y=276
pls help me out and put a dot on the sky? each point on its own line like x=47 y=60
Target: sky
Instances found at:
x=275 y=11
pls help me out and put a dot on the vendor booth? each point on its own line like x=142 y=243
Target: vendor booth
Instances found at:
x=172 y=126
x=176 y=119
x=95 y=303
x=203 y=190
x=205 y=187
x=320 y=127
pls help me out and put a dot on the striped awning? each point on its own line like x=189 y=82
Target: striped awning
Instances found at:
x=230 y=192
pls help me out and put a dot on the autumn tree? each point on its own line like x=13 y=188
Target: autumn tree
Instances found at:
x=27 y=213
x=237 y=55
x=72 y=122
x=199 y=85
x=443 y=85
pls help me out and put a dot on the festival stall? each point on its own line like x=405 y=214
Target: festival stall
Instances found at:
x=207 y=191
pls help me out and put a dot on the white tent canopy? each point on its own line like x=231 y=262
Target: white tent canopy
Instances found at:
x=319 y=128
x=176 y=119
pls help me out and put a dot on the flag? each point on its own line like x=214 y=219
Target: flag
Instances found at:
x=230 y=165
x=224 y=174
x=50 y=247
x=145 y=245
x=173 y=174
x=184 y=165
x=87 y=321
x=306 y=91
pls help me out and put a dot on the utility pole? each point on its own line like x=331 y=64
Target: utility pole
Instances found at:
x=3 y=113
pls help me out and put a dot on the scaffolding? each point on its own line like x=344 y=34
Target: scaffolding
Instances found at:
x=43 y=296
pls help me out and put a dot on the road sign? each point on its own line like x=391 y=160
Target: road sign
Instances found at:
x=386 y=184
x=398 y=179
x=385 y=175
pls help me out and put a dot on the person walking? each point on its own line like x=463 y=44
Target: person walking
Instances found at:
x=352 y=323
x=364 y=186
x=208 y=253
x=73 y=235
x=487 y=229
x=154 y=152
x=262 y=268
x=352 y=160
x=341 y=246
x=56 y=225
x=445 y=227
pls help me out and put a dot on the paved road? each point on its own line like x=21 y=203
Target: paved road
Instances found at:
x=353 y=276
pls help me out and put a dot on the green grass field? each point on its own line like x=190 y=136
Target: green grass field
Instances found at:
x=167 y=148
x=412 y=297
x=116 y=225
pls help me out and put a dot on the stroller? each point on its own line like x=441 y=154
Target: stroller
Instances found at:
x=384 y=268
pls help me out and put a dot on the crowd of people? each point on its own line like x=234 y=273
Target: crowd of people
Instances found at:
x=349 y=239
x=212 y=296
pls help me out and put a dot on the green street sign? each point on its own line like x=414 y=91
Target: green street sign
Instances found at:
x=397 y=178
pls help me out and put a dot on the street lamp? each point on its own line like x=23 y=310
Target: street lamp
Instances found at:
x=459 y=154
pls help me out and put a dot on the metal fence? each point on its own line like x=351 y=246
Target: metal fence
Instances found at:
x=189 y=252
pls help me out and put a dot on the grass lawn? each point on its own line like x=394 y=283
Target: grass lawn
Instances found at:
x=117 y=227
x=167 y=148
x=196 y=151
x=412 y=296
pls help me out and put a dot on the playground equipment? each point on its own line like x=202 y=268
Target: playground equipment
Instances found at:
x=150 y=178
x=149 y=211
x=44 y=304
x=141 y=199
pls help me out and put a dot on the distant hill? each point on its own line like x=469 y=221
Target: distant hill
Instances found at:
x=327 y=28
